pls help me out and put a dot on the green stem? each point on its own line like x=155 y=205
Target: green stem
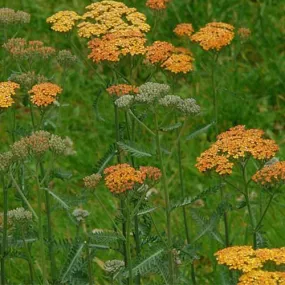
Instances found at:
x=213 y=82
x=40 y=227
x=128 y=244
x=167 y=203
x=141 y=123
x=5 y=226
x=246 y=195
x=32 y=117
x=49 y=228
x=90 y=269
x=226 y=223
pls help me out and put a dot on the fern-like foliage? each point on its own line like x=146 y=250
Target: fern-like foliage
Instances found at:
x=106 y=237
x=199 y=131
x=107 y=157
x=96 y=105
x=133 y=149
x=189 y=200
x=171 y=128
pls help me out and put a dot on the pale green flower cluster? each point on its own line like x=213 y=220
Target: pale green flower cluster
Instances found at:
x=80 y=214
x=11 y=17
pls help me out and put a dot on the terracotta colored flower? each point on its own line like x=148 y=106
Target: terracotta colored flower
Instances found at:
x=63 y=21
x=92 y=181
x=7 y=90
x=44 y=94
x=233 y=145
x=277 y=255
x=111 y=46
x=184 y=29
x=169 y=57
x=150 y=172
x=122 y=177
x=244 y=33
x=157 y=4
x=214 y=35
x=271 y=174
x=122 y=89
x=239 y=258
x=259 y=277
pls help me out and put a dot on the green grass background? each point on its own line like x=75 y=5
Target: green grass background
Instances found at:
x=250 y=92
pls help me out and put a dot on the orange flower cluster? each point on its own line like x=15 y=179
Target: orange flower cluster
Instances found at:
x=270 y=174
x=259 y=277
x=111 y=46
x=169 y=57
x=44 y=94
x=122 y=177
x=150 y=172
x=184 y=29
x=234 y=144
x=63 y=21
x=22 y=49
x=250 y=262
x=122 y=89
x=244 y=33
x=214 y=35
x=157 y=4
x=7 y=90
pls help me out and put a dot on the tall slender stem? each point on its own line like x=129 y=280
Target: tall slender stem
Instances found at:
x=214 y=91
x=128 y=243
x=167 y=203
x=4 y=237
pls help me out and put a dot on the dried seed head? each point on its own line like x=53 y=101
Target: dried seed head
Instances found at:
x=92 y=181
x=66 y=59
x=28 y=80
x=57 y=144
x=80 y=214
x=20 y=149
x=38 y=142
x=6 y=160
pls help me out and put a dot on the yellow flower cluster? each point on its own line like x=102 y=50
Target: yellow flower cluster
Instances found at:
x=101 y=18
x=214 y=35
x=233 y=145
x=113 y=45
x=157 y=4
x=184 y=29
x=122 y=177
x=250 y=262
x=63 y=21
x=7 y=90
x=169 y=57
x=122 y=89
x=270 y=174
x=44 y=94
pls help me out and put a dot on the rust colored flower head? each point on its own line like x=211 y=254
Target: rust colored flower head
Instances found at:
x=122 y=89
x=122 y=177
x=244 y=33
x=110 y=16
x=150 y=172
x=233 y=145
x=90 y=182
x=157 y=4
x=63 y=21
x=7 y=90
x=259 y=277
x=173 y=59
x=271 y=174
x=38 y=142
x=44 y=94
x=184 y=29
x=111 y=46
x=214 y=35
x=276 y=255
x=239 y=258
x=22 y=49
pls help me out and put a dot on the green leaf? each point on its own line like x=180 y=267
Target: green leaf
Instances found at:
x=189 y=200
x=133 y=150
x=171 y=128
x=105 y=236
x=146 y=211
x=103 y=162
x=57 y=198
x=200 y=131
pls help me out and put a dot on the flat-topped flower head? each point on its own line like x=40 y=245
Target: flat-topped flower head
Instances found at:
x=271 y=174
x=122 y=89
x=122 y=177
x=214 y=35
x=239 y=258
x=233 y=145
x=91 y=181
x=150 y=173
x=80 y=214
x=157 y=4
x=28 y=79
x=19 y=215
x=125 y=102
x=184 y=30
x=276 y=255
x=259 y=277
x=169 y=57
x=6 y=159
x=7 y=91
x=44 y=94
x=66 y=59
x=11 y=17
x=22 y=49
x=63 y=21
x=114 y=45
x=244 y=33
